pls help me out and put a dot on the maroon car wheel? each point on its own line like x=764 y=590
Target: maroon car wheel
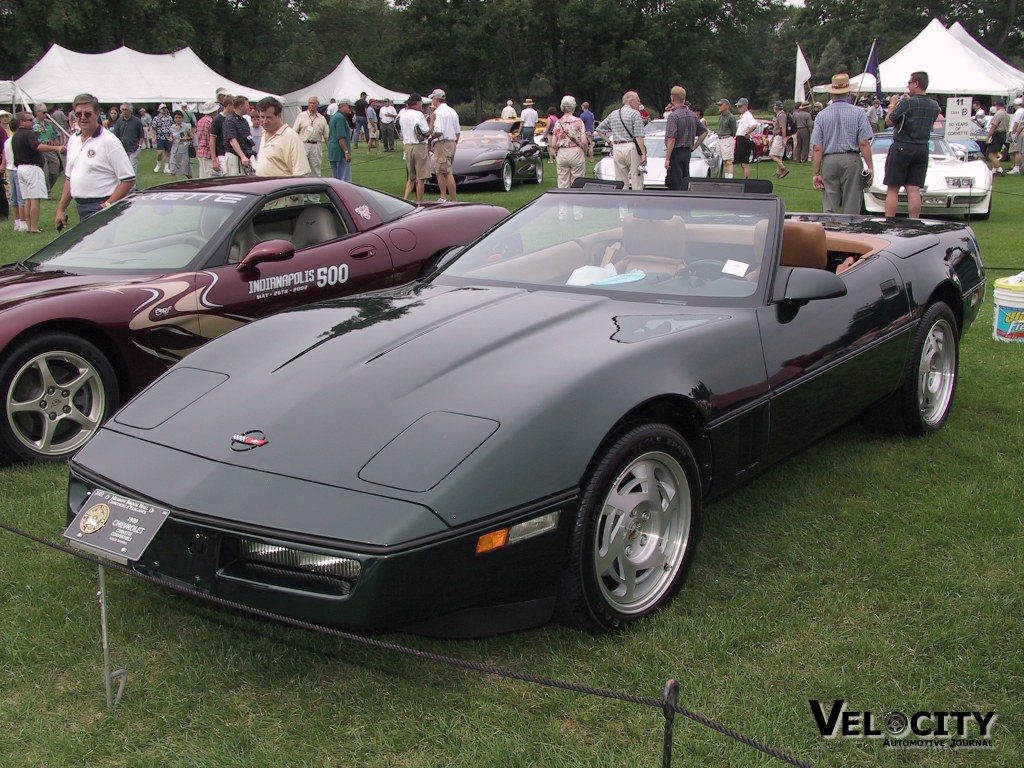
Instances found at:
x=57 y=389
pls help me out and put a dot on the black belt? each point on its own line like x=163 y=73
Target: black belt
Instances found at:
x=851 y=152
x=312 y=142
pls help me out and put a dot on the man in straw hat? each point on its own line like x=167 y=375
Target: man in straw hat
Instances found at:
x=907 y=162
x=840 y=138
x=529 y=117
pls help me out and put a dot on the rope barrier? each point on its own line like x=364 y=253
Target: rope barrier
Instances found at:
x=668 y=704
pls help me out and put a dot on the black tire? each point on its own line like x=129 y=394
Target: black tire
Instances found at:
x=58 y=389
x=506 y=177
x=929 y=385
x=606 y=584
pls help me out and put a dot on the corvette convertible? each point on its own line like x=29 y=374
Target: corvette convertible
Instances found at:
x=493 y=157
x=533 y=430
x=952 y=186
x=102 y=310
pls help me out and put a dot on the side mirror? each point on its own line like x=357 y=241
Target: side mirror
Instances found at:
x=271 y=250
x=530 y=149
x=807 y=284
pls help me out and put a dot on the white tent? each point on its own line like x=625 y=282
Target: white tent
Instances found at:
x=11 y=94
x=127 y=75
x=344 y=82
x=1004 y=68
x=952 y=67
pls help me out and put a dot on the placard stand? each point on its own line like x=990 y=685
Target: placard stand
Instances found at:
x=121 y=675
x=116 y=528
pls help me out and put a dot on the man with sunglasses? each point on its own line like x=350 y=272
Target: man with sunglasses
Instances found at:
x=98 y=171
x=28 y=157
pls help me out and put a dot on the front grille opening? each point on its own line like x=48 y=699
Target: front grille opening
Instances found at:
x=276 y=565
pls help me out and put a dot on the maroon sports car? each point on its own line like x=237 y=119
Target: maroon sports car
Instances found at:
x=97 y=314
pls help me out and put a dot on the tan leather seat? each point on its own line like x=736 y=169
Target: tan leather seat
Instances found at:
x=803 y=245
x=245 y=240
x=314 y=226
x=652 y=246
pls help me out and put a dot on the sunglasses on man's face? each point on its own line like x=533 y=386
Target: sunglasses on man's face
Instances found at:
x=83 y=115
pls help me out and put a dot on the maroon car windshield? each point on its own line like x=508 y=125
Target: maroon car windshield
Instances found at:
x=154 y=232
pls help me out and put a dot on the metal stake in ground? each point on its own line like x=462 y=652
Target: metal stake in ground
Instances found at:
x=670 y=698
x=120 y=675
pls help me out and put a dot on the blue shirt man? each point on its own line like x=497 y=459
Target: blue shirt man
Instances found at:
x=587 y=117
x=338 y=151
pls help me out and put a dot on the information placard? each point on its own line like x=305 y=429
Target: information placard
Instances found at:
x=958 y=117
x=115 y=527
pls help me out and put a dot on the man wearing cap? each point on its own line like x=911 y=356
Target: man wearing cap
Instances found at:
x=1016 y=135
x=529 y=117
x=282 y=152
x=804 y=123
x=128 y=129
x=313 y=130
x=683 y=134
x=203 y=128
x=745 y=126
x=726 y=135
x=998 y=127
x=777 y=152
x=625 y=129
x=99 y=172
x=445 y=131
x=413 y=125
x=339 y=135
x=50 y=135
x=840 y=139
x=162 y=125
x=906 y=164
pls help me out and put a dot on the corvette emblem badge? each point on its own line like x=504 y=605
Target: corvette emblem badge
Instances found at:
x=246 y=441
x=94 y=518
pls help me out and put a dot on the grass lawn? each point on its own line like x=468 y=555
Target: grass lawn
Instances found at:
x=882 y=571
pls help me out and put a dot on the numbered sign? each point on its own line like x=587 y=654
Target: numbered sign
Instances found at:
x=958 y=117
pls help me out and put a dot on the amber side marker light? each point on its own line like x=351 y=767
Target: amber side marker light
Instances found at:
x=493 y=540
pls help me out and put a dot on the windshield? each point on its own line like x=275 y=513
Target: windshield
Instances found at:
x=157 y=232
x=936 y=146
x=485 y=140
x=682 y=248
x=388 y=207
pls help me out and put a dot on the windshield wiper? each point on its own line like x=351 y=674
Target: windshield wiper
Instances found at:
x=21 y=266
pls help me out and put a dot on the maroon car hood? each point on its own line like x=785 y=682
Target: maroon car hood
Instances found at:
x=17 y=286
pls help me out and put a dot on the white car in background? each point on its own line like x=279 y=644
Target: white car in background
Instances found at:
x=705 y=162
x=953 y=186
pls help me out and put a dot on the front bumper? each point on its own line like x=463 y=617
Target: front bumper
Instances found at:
x=941 y=203
x=389 y=586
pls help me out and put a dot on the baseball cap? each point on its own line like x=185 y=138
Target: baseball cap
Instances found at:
x=1018 y=101
x=437 y=93
x=162 y=106
x=742 y=102
x=777 y=105
x=345 y=102
x=725 y=101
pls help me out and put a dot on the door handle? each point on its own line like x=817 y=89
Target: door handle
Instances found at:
x=889 y=288
x=363 y=252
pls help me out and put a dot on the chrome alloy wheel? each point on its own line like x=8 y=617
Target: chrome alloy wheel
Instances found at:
x=936 y=372
x=641 y=536
x=55 y=402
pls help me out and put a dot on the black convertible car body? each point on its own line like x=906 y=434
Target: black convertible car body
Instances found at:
x=533 y=430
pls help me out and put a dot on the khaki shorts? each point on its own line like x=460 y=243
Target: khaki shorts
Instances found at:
x=444 y=153
x=778 y=147
x=417 y=163
x=727 y=146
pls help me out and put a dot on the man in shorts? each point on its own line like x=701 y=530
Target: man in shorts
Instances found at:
x=779 y=136
x=413 y=125
x=726 y=135
x=28 y=157
x=745 y=126
x=445 y=130
x=998 y=128
x=907 y=162
x=1016 y=136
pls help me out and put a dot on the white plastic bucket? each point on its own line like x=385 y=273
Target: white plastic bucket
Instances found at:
x=1008 y=322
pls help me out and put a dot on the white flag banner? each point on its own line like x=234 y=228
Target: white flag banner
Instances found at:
x=803 y=74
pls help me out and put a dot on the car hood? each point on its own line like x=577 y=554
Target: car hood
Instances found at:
x=17 y=286
x=391 y=393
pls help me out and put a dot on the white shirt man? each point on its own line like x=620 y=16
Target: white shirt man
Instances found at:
x=446 y=131
x=509 y=112
x=1016 y=136
x=529 y=117
x=98 y=170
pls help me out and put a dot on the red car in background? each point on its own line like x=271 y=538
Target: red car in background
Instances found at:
x=762 y=139
x=93 y=317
